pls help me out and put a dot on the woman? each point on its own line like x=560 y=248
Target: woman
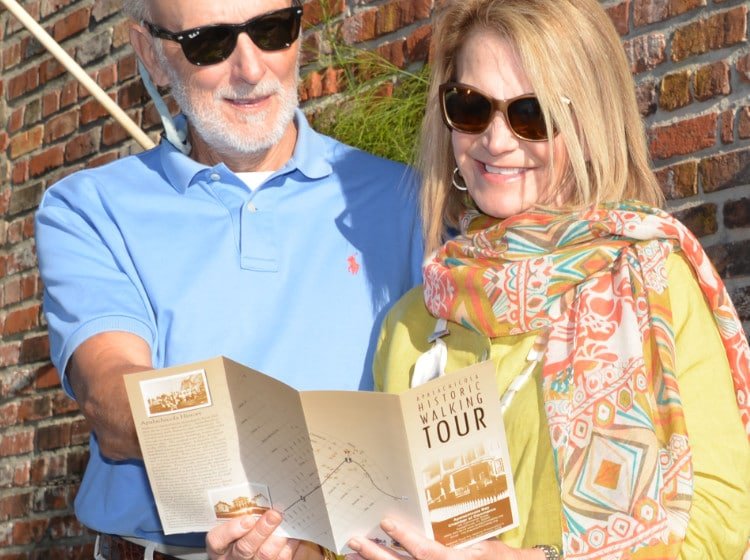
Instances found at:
x=627 y=440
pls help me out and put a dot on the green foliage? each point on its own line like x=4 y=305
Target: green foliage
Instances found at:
x=379 y=107
x=378 y=118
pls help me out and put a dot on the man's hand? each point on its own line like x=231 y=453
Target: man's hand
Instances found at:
x=252 y=537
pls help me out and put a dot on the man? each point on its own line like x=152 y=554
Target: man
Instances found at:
x=255 y=238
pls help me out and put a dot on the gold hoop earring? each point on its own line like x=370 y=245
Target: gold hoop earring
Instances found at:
x=455 y=181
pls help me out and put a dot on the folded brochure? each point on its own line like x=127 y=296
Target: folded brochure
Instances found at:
x=221 y=440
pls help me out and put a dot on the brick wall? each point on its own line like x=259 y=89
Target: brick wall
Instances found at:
x=690 y=58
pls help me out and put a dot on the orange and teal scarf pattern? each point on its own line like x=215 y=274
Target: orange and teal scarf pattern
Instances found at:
x=594 y=283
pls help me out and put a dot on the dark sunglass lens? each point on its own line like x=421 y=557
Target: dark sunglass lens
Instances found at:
x=211 y=46
x=275 y=31
x=467 y=110
x=526 y=119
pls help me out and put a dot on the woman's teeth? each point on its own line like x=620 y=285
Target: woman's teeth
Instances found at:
x=504 y=170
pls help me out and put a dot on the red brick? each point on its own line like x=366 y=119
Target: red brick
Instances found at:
x=418 y=44
x=649 y=11
x=743 y=123
x=360 y=27
x=49 y=70
x=684 y=137
x=743 y=67
x=132 y=94
x=319 y=11
x=92 y=110
x=737 y=213
x=332 y=80
x=51 y=7
x=727 y=126
x=712 y=81
x=11 y=56
x=26 y=532
x=34 y=349
x=26 y=142
x=79 y=431
x=8 y=413
x=126 y=68
x=15 y=122
x=102 y=159
x=392 y=16
x=53 y=436
x=121 y=34
x=24 y=83
x=725 y=171
x=69 y=94
x=81 y=146
x=50 y=102
x=28 y=227
x=24 y=199
x=17 y=443
x=48 y=467
x=646 y=52
x=701 y=219
x=51 y=499
x=677 y=7
x=675 y=91
x=67 y=527
x=21 y=320
x=20 y=173
x=61 y=126
x=35 y=408
x=393 y=53
x=51 y=158
x=15 y=505
x=47 y=377
x=73 y=23
x=712 y=33
x=311 y=86
x=645 y=93
x=107 y=77
x=62 y=404
x=620 y=16
x=679 y=181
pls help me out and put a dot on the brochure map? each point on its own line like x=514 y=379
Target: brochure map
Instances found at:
x=220 y=440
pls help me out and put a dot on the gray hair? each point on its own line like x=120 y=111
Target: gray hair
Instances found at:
x=136 y=9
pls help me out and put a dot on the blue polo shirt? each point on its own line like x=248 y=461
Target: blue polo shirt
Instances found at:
x=292 y=279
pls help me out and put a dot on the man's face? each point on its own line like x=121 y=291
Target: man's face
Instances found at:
x=242 y=105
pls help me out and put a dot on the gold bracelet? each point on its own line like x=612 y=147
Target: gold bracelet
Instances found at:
x=550 y=552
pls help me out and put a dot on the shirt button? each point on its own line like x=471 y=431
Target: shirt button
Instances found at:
x=215 y=176
x=251 y=207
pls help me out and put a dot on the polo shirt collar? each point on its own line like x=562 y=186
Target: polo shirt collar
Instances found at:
x=310 y=157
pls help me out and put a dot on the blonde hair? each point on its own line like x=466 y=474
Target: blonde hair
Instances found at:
x=569 y=50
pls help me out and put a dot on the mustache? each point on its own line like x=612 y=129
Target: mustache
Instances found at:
x=261 y=89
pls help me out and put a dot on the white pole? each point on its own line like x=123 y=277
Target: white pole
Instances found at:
x=79 y=73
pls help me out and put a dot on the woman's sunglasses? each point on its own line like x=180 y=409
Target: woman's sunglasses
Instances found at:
x=211 y=44
x=466 y=109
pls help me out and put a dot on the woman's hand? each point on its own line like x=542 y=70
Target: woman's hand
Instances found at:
x=251 y=537
x=422 y=548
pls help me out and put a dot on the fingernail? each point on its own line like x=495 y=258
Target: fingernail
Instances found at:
x=355 y=545
x=274 y=516
x=388 y=525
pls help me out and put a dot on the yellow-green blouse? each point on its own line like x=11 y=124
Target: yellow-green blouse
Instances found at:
x=720 y=514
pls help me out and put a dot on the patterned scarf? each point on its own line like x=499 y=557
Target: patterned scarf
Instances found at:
x=595 y=284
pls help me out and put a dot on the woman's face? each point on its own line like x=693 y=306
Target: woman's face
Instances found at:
x=504 y=174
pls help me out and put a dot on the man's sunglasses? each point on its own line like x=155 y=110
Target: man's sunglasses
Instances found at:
x=211 y=44
x=466 y=109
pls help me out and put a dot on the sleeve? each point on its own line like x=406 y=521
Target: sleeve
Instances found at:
x=720 y=514
x=89 y=283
